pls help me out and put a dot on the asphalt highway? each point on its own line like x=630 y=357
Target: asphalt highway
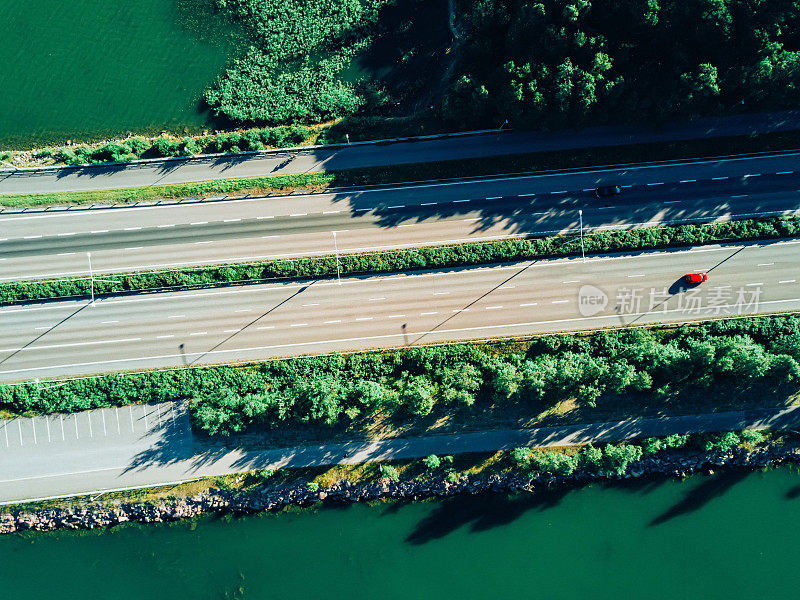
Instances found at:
x=276 y=320
x=23 y=181
x=54 y=243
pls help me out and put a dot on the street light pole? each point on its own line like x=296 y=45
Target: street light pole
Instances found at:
x=91 y=274
x=336 y=248
x=583 y=253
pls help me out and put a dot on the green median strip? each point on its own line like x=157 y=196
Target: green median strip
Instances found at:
x=393 y=174
x=727 y=364
x=414 y=258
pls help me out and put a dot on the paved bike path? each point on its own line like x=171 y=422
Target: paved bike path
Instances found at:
x=148 y=445
x=369 y=154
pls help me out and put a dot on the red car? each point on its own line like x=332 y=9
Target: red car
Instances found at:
x=695 y=278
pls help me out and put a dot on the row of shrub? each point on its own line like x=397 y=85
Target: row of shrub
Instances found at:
x=717 y=358
x=615 y=459
x=407 y=259
x=139 y=147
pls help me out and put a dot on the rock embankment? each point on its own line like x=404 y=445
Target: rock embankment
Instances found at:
x=674 y=464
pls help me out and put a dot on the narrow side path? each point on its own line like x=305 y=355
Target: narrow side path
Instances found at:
x=148 y=445
x=369 y=154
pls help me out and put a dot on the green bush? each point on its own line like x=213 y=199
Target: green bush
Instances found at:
x=521 y=457
x=276 y=80
x=752 y=436
x=721 y=442
x=264 y=474
x=553 y=463
x=617 y=458
x=390 y=473
x=431 y=462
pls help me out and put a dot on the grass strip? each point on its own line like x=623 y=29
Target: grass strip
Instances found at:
x=408 y=259
x=520 y=163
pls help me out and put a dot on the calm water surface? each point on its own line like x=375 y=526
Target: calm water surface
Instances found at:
x=711 y=537
x=96 y=68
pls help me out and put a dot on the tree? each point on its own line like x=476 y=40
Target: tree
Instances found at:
x=591 y=457
x=721 y=442
x=752 y=436
x=389 y=472
x=553 y=463
x=783 y=369
x=460 y=383
x=521 y=457
x=417 y=395
x=652 y=445
x=223 y=412
x=431 y=462
x=617 y=458
x=373 y=395
x=505 y=381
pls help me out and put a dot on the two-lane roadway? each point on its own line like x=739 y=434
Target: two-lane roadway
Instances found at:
x=54 y=243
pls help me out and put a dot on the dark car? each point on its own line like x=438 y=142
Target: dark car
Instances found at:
x=695 y=278
x=606 y=191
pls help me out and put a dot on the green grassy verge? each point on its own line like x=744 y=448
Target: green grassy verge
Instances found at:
x=413 y=258
x=252 y=185
x=522 y=163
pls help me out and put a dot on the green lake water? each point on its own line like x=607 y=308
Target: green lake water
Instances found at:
x=725 y=536
x=93 y=69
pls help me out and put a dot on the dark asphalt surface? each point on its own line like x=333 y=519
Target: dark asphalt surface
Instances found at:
x=367 y=155
x=54 y=243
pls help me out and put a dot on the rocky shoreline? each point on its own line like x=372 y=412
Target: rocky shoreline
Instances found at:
x=670 y=464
